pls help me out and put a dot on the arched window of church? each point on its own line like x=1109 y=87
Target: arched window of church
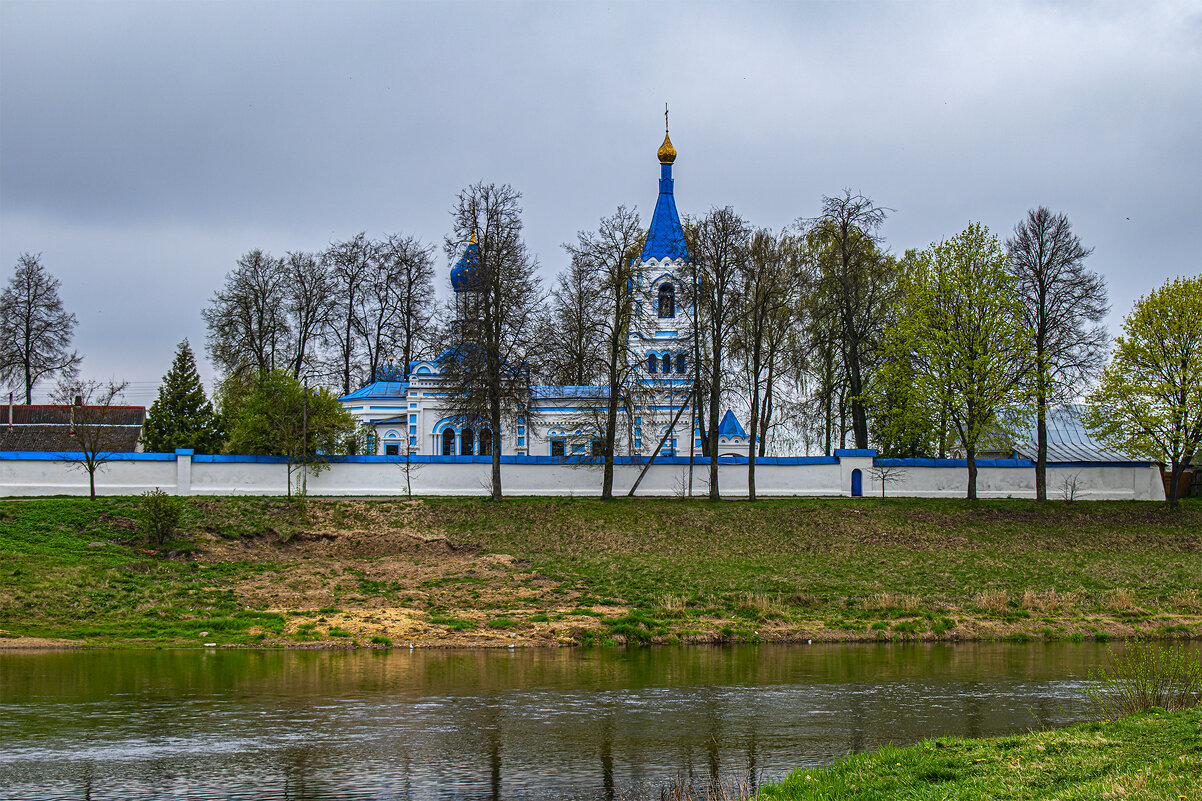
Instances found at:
x=667 y=301
x=448 y=442
x=467 y=442
x=486 y=442
x=652 y=362
x=682 y=362
x=666 y=364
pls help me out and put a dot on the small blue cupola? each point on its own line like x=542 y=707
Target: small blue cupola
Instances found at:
x=390 y=371
x=665 y=240
x=730 y=427
x=467 y=270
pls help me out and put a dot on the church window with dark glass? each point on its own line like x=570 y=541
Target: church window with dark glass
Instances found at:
x=392 y=450
x=557 y=447
x=467 y=443
x=666 y=364
x=652 y=362
x=486 y=442
x=448 y=442
x=667 y=301
x=682 y=362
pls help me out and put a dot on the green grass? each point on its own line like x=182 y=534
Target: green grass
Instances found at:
x=646 y=570
x=1151 y=755
x=453 y=623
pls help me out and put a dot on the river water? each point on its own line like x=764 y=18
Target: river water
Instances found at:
x=496 y=724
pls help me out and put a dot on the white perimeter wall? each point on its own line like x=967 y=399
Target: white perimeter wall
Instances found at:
x=183 y=476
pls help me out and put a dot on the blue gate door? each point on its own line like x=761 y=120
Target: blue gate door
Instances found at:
x=857 y=484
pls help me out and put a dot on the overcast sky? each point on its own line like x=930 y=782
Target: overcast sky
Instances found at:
x=145 y=146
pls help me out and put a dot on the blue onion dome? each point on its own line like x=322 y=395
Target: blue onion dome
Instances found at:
x=390 y=371
x=466 y=270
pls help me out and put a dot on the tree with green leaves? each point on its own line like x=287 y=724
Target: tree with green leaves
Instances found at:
x=276 y=415
x=182 y=416
x=855 y=282
x=958 y=339
x=769 y=287
x=1149 y=401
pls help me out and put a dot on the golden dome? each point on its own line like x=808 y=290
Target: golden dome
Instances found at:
x=666 y=153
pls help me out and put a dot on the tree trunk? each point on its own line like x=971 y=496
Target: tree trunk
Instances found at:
x=714 y=493
x=494 y=418
x=754 y=422
x=972 y=472
x=859 y=415
x=607 y=453
x=1174 y=479
x=1041 y=450
x=92 y=484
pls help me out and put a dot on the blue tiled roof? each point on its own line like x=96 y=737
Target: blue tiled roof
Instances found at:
x=665 y=240
x=729 y=427
x=379 y=389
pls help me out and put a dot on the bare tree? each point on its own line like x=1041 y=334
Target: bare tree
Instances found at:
x=607 y=258
x=96 y=413
x=719 y=249
x=411 y=272
x=1063 y=305
x=571 y=328
x=856 y=286
x=765 y=296
x=247 y=319
x=887 y=474
x=490 y=342
x=309 y=294
x=377 y=314
x=35 y=330
x=350 y=263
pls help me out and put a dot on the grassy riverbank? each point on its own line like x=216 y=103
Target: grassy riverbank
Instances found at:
x=460 y=571
x=1151 y=755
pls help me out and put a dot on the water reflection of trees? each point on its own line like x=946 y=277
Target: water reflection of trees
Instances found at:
x=487 y=723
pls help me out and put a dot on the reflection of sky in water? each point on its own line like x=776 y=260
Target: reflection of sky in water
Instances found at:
x=531 y=724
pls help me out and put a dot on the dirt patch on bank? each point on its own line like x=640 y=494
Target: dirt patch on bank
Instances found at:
x=29 y=643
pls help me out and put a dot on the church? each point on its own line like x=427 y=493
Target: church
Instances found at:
x=405 y=411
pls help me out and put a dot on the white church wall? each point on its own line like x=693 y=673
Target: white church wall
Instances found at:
x=25 y=474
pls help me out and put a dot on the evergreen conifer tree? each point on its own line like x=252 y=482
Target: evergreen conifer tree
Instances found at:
x=182 y=416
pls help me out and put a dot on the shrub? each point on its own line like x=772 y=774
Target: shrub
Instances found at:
x=1146 y=675
x=160 y=515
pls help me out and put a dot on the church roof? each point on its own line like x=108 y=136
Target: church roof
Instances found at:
x=1068 y=441
x=379 y=389
x=729 y=427
x=466 y=270
x=665 y=239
